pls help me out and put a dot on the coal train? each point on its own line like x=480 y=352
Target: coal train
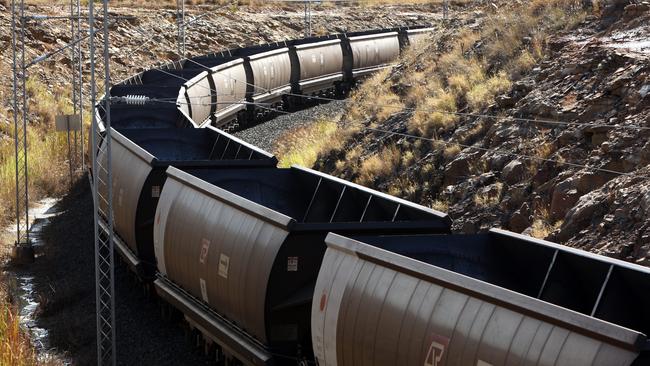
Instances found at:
x=289 y=266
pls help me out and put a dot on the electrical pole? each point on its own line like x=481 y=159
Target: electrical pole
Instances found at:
x=180 y=22
x=307 y=18
x=445 y=9
x=81 y=89
x=23 y=251
x=102 y=199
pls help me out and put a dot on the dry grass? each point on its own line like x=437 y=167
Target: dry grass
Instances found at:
x=489 y=198
x=382 y=164
x=302 y=145
x=482 y=94
x=435 y=115
x=440 y=205
x=374 y=100
x=543 y=225
x=47 y=151
x=15 y=348
x=477 y=66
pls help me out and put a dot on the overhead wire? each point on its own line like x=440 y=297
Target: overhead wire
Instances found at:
x=477 y=115
x=491 y=150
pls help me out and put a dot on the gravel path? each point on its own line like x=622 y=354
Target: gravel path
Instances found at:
x=64 y=278
x=266 y=134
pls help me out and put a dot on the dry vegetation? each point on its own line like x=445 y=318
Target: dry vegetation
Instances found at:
x=15 y=349
x=301 y=146
x=172 y=3
x=433 y=88
x=47 y=150
x=48 y=176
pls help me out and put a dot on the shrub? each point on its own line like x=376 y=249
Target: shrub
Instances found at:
x=382 y=165
x=434 y=115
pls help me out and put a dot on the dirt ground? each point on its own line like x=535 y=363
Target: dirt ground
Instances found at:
x=65 y=283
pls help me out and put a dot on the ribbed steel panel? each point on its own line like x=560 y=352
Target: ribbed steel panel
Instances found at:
x=374 y=51
x=417 y=35
x=130 y=169
x=320 y=64
x=198 y=95
x=216 y=250
x=230 y=83
x=374 y=307
x=271 y=73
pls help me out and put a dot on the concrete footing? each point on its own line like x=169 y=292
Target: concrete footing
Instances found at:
x=23 y=254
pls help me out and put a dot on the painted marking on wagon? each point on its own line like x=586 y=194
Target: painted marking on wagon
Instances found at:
x=292 y=264
x=224 y=263
x=204 y=290
x=323 y=302
x=436 y=350
x=205 y=246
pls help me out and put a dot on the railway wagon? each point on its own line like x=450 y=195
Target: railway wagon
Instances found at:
x=238 y=251
x=216 y=96
x=140 y=158
x=367 y=54
x=269 y=79
x=417 y=35
x=316 y=66
x=490 y=299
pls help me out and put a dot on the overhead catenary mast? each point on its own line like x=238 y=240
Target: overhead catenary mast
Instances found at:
x=22 y=251
x=102 y=199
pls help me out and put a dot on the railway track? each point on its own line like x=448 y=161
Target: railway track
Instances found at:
x=294 y=267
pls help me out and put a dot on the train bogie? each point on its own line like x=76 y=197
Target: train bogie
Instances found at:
x=487 y=299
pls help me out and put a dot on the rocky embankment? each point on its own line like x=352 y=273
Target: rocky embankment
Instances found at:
x=566 y=155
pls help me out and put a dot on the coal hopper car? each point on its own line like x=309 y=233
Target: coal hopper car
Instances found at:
x=489 y=299
x=238 y=251
x=139 y=160
x=367 y=54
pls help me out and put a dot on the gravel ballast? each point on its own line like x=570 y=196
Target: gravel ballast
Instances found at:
x=266 y=135
x=65 y=281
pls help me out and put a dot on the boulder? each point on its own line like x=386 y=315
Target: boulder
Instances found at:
x=520 y=219
x=564 y=197
x=581 y=215
x=513 y=172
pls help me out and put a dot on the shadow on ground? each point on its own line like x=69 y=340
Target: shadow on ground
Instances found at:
x=65 y=276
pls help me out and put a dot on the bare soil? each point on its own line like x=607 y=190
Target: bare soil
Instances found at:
x=64 y=277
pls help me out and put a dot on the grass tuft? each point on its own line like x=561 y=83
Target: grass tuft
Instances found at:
x=302 y=145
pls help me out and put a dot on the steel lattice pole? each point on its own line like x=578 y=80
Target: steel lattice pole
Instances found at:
x=103 y=197
x=81 y=89
x=73 y=63
x=20 y=125
x=25 y=193
x=15 y=107
x=180 y=22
